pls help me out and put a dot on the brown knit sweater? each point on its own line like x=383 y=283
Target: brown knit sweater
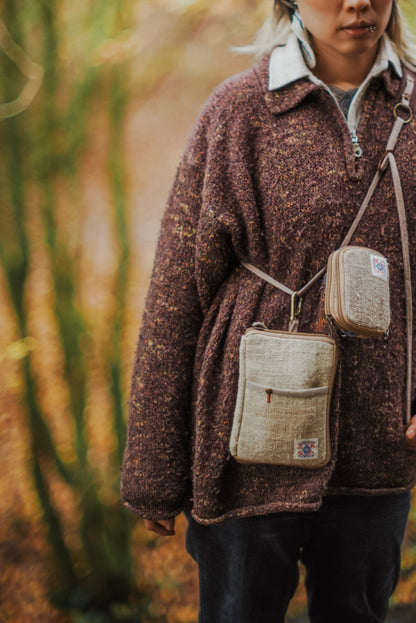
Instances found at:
x=269 y=177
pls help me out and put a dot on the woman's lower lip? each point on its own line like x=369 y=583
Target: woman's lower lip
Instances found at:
x=359 y=32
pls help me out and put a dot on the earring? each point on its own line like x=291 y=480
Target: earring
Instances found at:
x=302 y=34
x=291 y=4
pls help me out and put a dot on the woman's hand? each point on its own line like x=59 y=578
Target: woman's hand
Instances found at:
x=165 y=527
x=411 y=435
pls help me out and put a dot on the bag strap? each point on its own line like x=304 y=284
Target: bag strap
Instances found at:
x=407 y=278
x=391 y=144
x=389 y=159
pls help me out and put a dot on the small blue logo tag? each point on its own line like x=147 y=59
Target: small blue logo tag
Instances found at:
x=379 y=266
x=306 y=448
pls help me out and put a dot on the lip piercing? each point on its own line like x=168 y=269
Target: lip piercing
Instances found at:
x=372 y=28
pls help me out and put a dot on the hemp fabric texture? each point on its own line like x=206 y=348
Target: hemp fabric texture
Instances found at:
x=357 y=291
x=283 y=399
x=261 y=181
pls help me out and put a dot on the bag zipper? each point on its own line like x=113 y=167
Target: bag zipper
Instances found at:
x=260 y=327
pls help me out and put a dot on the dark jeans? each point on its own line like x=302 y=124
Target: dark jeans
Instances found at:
x=248 y=568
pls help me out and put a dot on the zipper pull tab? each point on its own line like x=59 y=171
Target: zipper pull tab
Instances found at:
x=259 y=326
x=356 y=147
x=269 y=392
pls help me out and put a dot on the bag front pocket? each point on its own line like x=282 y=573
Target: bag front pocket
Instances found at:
x=286 y=424
x=277 y=424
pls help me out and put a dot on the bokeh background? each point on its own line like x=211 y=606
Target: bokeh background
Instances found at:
x=97 y=98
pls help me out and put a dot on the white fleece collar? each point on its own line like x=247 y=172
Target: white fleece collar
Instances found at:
x=287 y=63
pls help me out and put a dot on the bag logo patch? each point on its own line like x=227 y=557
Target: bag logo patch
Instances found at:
x=379 y=266
x=306 y=449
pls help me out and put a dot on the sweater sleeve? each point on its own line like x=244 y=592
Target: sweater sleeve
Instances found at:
x=155 y=478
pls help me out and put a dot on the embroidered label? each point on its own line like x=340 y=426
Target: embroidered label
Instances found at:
x=379 y=266
x=306 y=449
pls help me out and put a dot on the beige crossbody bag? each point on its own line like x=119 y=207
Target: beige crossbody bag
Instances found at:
x=285 y=377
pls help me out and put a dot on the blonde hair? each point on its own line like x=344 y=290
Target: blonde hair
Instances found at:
x=276 y=29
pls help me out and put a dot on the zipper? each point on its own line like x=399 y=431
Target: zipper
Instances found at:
x=257 y=327
x=356 y=147
x=353 y=115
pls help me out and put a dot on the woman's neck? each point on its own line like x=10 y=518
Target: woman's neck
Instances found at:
x=341 y=70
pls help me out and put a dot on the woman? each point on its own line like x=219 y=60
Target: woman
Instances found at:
x=275 y=170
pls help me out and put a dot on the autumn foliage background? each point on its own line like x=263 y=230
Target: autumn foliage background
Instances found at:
x=85 y=171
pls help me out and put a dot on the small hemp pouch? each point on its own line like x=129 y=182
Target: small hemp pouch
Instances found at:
x=357 y=294
x=283 y=401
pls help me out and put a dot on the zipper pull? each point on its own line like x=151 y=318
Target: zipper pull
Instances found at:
x=259 y=326
x=269 y=392
x=356 y=147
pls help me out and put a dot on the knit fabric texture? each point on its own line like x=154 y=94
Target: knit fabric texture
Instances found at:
x=269 y=177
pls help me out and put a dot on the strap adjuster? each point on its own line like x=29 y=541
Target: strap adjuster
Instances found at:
x=401 y=105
